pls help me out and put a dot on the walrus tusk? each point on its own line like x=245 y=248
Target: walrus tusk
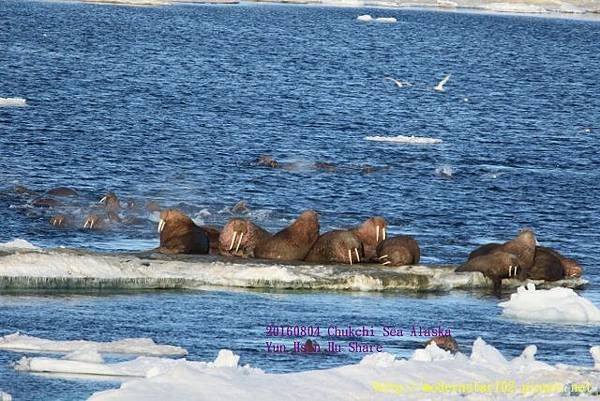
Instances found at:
x=377 y=236
x=239 y=242
x=510 y=271
x=92 y=223
x=515 y=272
x=161 y=225
x=103 y=200
x=383 y=233
x=233 y=240
x=86 y=223
x=382 y=257
x=386 y=263
x=350 y=256
x=357 y=257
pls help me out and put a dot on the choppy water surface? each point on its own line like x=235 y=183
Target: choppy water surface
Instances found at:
x=173 y=104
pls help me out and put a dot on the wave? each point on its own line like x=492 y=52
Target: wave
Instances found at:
x=12 y=102
x=63 y=268
x=413 y=140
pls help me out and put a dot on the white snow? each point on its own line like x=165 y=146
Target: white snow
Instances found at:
x=18 y=244
x=365 y=18
x=413 y=140
x=12 y=102
x=554 y=305
x=81 y=350
x=376 y=377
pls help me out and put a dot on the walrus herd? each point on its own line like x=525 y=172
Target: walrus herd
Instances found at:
x=520 y=258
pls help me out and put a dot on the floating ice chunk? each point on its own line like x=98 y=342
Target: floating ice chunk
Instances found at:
x=486 y=354
x=85 y=355
x=386 y=20
x=129 y=346
x=595 y=351
x=12 y=102
x=431 y=353
x=554 y=305
x=227 y=359
x=18 y=244
x=444 y=171
x=365 y=18
x=413 y=140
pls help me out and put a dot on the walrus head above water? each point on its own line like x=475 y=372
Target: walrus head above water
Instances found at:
x=179 y=234
x=94 y=222
x=294 y=241
x=110 y=201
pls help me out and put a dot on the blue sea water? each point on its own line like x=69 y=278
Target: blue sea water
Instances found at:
x=173 y=104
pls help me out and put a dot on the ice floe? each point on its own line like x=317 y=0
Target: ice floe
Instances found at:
x=553 y=305
x=63 y=268
x=5 y=396
x=485 y=375
x=368 y=18
x=414 y=140
x=81 y=350
x=12 y=102
x=365 y=18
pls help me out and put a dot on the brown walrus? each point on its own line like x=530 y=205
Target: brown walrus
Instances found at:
x=522 y=246
x=371 y=233
x=571 y=268
x=294 y=241
x=213 y=233
x=62 y=191
x=112 y=206
x=95 y=222
x=447 y=343
x=399 y=251
x=61 y=220
x=21 y=190
x=179 y=234
x=547 y=265
x=337 y=246
x=495 y=266
x=240 y=237
x=267 y=161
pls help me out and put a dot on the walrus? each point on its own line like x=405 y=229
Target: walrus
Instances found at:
x=337 y=246
x=267 y=161
x=152 y=206
x=547 y=265
x=240 y=237
x=62 y=191
x=21 y=190
x=570 y=268
x=325 y=166
x=94 y=222
x=293 y=242
x=447 y=343
x=112 y=206
x=496 y=266
x=61 y=220
x=399 y=251
x=213 y=233
x=370 y=233
x=522 y=246
x=240 y=208
x=179 y=234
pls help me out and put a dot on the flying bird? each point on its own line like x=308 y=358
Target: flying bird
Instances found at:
x=440 y=86
x=398 y=83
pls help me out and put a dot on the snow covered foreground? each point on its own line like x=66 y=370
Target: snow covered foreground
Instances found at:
x=129 y=346
x=431 y=374
x=554 y=305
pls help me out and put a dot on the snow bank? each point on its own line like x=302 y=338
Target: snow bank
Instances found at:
x=12 y=102
x=555 y=305
x=82 y=350
x=17 y=244
x=377 y=376
x=413 y=140
x=58 y=269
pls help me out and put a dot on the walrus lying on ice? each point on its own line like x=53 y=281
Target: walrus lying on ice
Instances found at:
x=495 y=266
x=293 y=242
x=179 y=234
x=240 y=237
x=399 y=251
x=371 y=232
x=338 y=246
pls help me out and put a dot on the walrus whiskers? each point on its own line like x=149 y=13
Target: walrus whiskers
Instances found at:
x=350 y=256
x=239 y=242
x=357 y=257
x=233 y=240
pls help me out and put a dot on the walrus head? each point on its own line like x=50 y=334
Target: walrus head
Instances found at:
x=232 y=236
x=110 y=201
x=94 y=222
x=60 y=220
x=307 y=225
x=179 y=234
x=171 y=218
x=571 y=268
x=372 y=231
x=267 y=160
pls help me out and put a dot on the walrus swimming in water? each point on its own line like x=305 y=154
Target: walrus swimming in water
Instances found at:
x=522 y=246
x=95 y=222
x=495 y=266
x=337 y=246
x=60 y=220
x=179 y=234
x=447 y=343
x=399 y=251
x=240 y=237
x=62 y=191
x=370 y=233
x=45 y=202
x=112 y=206
x=293 y=242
